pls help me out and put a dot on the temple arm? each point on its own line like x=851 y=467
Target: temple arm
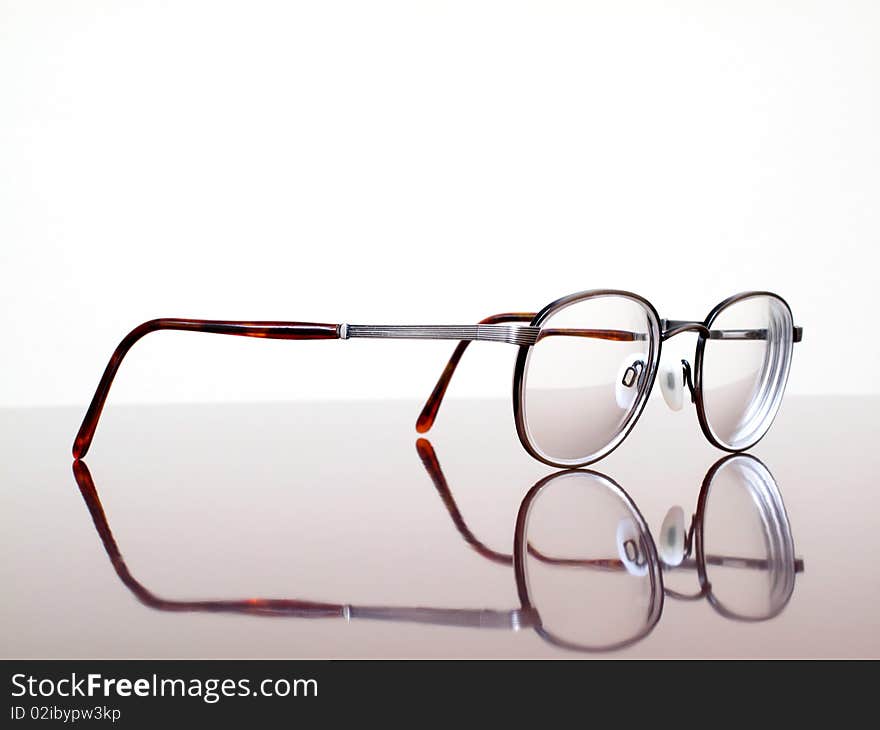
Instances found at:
x=593 y=334
x=287 y=331
x=730 y=561
x=432 y=466
x=269 y=330
x=260 y=606
x=486 y=332
x=474 y=617
x=747 y=334
x=674 y=326
x=481 y=618
x=432 y=405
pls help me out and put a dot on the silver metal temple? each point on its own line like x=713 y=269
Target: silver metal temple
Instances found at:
x=511 y=334
x=477 y=618
x=672 y=327
x=758 y=334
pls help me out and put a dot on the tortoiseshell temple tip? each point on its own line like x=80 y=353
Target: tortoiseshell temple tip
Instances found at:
x=432 y=405
x=425 y=420
x=80 y=447
x=86 y=485
x=426 y=452
x=77 y=467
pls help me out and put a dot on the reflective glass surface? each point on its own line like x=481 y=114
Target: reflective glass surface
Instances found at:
x=327 y=530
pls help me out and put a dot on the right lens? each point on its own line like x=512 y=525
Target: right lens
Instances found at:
x=746 y=541
x=590 y=565
x=744 y=368
x=587 y=376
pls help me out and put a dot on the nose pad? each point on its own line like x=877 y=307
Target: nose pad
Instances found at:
x=630 y=547
x=628 y=382
x=672 y=544
x=673 y=379
x=672 y=385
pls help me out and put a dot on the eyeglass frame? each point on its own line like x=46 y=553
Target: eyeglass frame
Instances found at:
x=496 y=328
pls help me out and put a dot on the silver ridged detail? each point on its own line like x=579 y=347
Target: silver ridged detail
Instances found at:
x=511 y=334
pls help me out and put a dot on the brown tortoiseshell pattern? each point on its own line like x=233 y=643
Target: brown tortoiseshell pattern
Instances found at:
x=432 y=405
x=269 y=330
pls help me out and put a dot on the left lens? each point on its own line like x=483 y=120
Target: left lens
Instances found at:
x=587 y=376
x=590 y=565
x=744 y=367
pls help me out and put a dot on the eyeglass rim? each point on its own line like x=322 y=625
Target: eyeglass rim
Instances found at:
x=699 y=400
x=522 y=361
x=700 y=536
x=520 y=550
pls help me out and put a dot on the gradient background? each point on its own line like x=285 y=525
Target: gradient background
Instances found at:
x=429 y=162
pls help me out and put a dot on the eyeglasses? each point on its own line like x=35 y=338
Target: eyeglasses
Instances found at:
x=739 y=544
x=585 y=367
x=589 y=575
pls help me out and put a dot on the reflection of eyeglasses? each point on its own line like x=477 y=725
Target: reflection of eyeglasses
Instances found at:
x=741 y=579
x=743 y=587
x=585 y=367
x=540 y=560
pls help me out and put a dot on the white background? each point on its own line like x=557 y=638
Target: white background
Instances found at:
x=421 y=162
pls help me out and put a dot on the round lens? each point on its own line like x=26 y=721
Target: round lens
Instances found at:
x=746 y=542
x=744 y=367
x=590 y=565
x=587 y=376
